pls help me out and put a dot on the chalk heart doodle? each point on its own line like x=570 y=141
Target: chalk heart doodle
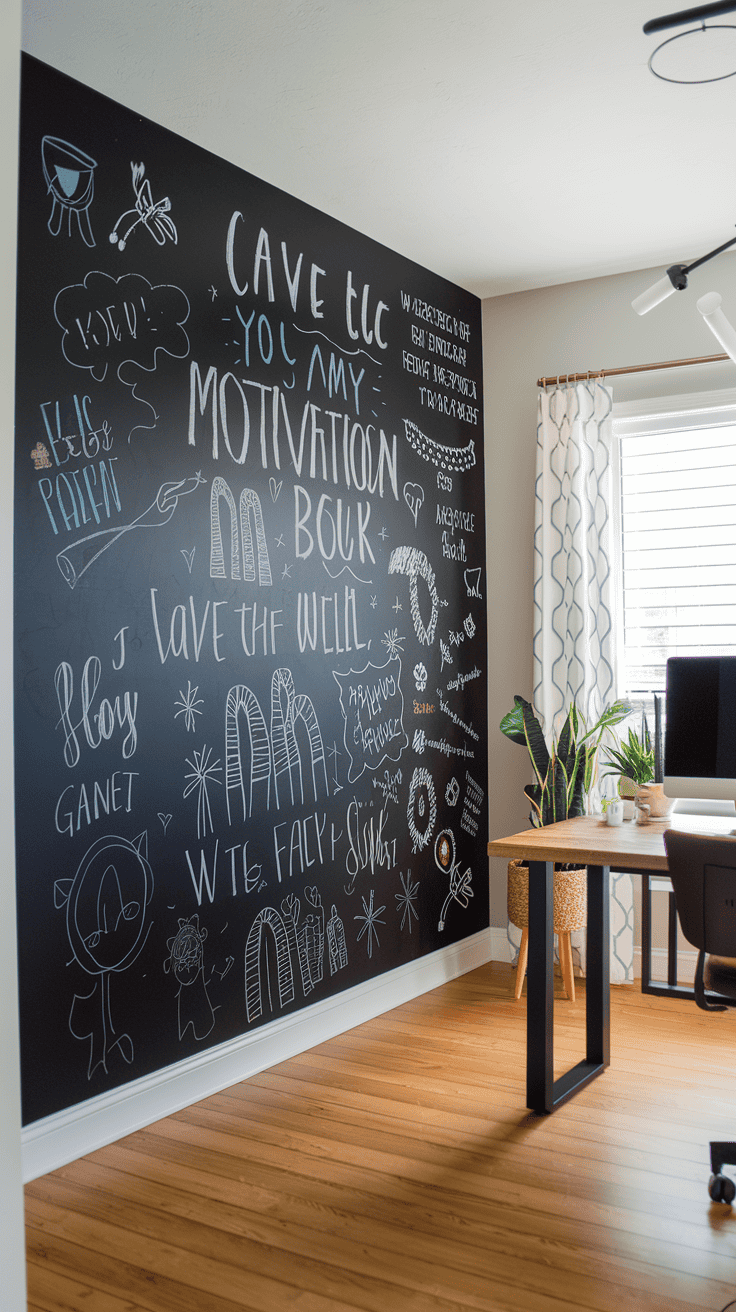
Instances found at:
x=414 y=498
x=110 y=322
x=372 y=706
x=107 y=923
x=275 y=487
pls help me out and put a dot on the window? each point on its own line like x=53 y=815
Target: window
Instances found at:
x=678 y=534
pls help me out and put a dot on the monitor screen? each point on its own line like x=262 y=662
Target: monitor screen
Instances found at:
x=700 y=727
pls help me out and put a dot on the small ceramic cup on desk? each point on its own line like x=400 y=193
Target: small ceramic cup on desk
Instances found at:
x=615 y=812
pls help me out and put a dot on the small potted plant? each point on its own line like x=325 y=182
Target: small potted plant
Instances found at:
x=634 y=762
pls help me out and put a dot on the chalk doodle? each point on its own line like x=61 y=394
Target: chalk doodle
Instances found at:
x=270 y=756
x=202 y=775
x=154 y=215
x=414 y=498
x=70 y=180
x=389 y=786
x=186 y=963
x=420 y=676
x=250 y=505
x=267 y=938
x=342 y=571
x=460 y=890
x=189 y=557
x=372 y=706
x=107 y=924
x=277 y=942
x=419 y=741
x=165 y=819
x=472 y=581
x=446 y=656
x=335 y=754
x=40 y=457
x=275 y=487
x=189 y=706
x=406 y=900
x=306 y=937
x=447 y=457
x=337 y=948
x=393 y=643
x=472 y=803
x=452 y=792
x=455 y=718
x=469 y=626
x=76 y=559
x=414 y=563
x=370 y=918
x=422 y=801
x=444 y=482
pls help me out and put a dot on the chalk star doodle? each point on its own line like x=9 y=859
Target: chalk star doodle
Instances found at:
x=154 y=215
x=397 y=606
x=40 y=457
x=460 y=890
x=280 y=540
x=371 y=918
x=189 y=703
x=392 y=642
x=383 y=534
x=213 y=289
x=286 y=572
x=374 y=602
x=407 y=899
x=447 y=457
x=202 y=774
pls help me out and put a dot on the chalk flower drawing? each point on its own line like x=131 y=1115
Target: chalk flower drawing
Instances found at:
x=189 y=703
x=202 y=774
x=371 y=918
x=407 y=899
x=393 y=643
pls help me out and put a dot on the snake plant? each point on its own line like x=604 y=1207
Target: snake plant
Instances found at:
x=563 y=773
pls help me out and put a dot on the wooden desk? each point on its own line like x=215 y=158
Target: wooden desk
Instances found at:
x=586 y=841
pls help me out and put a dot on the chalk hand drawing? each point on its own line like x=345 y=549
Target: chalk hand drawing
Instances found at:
x=186 y=962
x=75 y=560
x=250 y=507
x=446 y=457
x=165 y=820
x=472 y=582
x=422 y=800
x=370 y=918
x=406 y=899
x=270 y=755
x=202 y=775
x=372 y=706
x=189 y=704
x=420 y=676
x=70 y=180
x=460 y=890
x=414 y=498
x=275 y=487
x=40 y=457
x=107 y=923
x=414 y=563
x=154 y=215
x=189 y=557
x=350 y=571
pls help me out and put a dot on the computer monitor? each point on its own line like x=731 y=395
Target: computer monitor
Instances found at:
x=700 y=727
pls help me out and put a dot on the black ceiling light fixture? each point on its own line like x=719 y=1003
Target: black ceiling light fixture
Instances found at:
x=706 y=53
x=675 y=279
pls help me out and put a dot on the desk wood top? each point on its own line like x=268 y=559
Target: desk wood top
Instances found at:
x=590 y=841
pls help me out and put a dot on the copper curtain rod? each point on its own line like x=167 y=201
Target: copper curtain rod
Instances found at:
x=628 y=369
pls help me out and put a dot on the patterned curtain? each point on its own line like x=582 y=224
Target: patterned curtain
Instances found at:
x=574 y=595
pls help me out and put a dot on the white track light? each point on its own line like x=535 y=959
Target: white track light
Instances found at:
x=710 y=308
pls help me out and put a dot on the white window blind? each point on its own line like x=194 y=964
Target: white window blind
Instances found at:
x=678 y=533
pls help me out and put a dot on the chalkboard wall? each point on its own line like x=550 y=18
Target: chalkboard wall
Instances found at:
x=250 y=708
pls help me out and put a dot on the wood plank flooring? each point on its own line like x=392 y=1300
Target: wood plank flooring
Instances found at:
x=396 y=1169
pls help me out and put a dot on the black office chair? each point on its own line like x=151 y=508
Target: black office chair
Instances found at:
x=703 y=873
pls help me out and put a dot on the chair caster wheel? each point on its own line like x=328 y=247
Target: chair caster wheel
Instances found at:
x=721 y=1189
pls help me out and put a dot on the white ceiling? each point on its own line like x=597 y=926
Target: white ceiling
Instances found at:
x=506 y=144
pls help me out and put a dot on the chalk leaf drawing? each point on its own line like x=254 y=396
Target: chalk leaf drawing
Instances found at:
x=70 y=181
x=107 y=923
x=154 y=215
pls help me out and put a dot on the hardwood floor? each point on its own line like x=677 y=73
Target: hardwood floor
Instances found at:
x=396 y=1169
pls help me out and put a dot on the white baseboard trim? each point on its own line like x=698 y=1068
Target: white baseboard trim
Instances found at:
x=500 y=946
x=52 y=1142
x=686 y=963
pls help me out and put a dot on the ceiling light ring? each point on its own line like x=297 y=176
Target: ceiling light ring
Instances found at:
x=695 y=81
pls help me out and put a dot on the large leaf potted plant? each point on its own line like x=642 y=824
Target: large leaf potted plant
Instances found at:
x=563 y=776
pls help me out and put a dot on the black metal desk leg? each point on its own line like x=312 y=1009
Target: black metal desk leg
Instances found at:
x=646 y=930
x=597 y=984
x=540 y=989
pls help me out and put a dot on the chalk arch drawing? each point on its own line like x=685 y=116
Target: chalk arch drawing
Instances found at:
x=421 y=783
x=250 y=510
x=271 y=755
x=267 y=926
x=414 y=563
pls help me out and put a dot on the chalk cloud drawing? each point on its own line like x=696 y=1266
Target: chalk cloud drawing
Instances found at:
x=406 y=899
x=186 y=963
x=75 y=560
x=70 y=181
x=413 y=562
x=414 y=498
x=371 y=917
x=372 y=705
x=154 y=215
x=250 y=506
x=107 y=923
x=422 y=807
x=460 y=890
x=446 y=457
x=270 y=755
